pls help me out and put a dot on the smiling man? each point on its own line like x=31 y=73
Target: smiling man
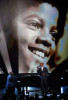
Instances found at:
x=36 y=29
x=34 y=24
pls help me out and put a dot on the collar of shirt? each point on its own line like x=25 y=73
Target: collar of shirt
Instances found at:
x=42 y=68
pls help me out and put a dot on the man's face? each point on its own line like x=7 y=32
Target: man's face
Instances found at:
x=41 y=64
x=36 y=29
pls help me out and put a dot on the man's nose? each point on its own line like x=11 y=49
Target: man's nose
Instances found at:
x=44 y=39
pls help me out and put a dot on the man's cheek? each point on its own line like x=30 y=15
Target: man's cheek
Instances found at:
x=29 y=56
x=53 y=46
x=52 y=49
x=31 y=34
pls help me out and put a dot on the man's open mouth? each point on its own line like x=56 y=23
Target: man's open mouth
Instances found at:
x=39 y=52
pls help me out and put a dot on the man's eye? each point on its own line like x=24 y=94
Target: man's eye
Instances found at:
x=54 y=34
x=33 y=25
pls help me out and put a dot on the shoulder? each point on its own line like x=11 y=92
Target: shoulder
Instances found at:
x=9 y=75
x=38 y=67
x=45 y=68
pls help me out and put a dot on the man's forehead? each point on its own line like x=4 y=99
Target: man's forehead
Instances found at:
x=28 y=2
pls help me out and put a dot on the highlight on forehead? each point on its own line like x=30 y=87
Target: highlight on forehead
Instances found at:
x=23 y=4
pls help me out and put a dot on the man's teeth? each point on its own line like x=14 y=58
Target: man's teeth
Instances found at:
x=41 y=54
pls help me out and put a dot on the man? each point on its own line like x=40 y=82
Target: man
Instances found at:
x=35 y=25
x=43 y=71
x=10 y=86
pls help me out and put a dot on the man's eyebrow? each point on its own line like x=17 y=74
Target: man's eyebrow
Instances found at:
x=38 y=19
x=34 y=16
